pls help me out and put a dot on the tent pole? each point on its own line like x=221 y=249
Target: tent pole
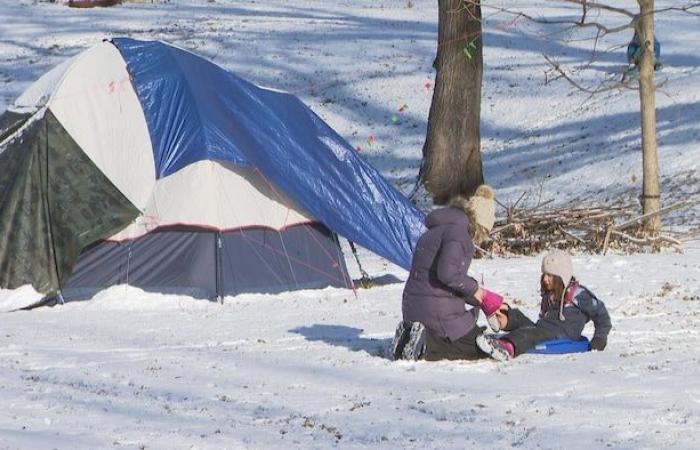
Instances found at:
x=219 y=287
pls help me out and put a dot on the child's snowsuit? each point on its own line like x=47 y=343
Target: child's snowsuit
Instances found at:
x=580 y=306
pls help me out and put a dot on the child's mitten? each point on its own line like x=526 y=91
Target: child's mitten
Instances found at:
x=599 y=343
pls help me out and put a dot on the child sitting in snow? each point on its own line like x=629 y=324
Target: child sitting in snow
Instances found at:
x=565 y=309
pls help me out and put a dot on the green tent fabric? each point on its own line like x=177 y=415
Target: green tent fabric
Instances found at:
x=42 y=169
x=10 y=122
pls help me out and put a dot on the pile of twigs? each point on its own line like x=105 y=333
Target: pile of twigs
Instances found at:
x=594 y=229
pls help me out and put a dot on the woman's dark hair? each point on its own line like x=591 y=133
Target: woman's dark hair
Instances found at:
x=558 y=290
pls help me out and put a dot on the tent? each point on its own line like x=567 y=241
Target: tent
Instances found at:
x=140 y=163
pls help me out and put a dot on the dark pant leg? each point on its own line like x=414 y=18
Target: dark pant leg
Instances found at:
x=525 y=338
x=516 y=319
x=438 y=348
x=523 y=333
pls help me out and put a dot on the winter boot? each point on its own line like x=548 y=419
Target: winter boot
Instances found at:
x=415 y=347
x=403 y=333
x=493 y=347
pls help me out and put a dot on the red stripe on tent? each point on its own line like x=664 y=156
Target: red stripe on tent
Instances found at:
x=335 y=262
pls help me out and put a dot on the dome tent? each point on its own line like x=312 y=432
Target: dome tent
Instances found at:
x=138 y=162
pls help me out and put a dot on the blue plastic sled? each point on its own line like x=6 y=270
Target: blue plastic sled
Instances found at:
x=560 y=346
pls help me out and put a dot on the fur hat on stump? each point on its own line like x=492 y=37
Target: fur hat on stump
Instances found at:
x=482 y=207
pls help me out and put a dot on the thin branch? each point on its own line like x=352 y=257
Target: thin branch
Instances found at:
x=686 y=9
x=586 y=6
x=675 y=206
x=573 y=236
x=485 y=252
x=640 y=241
x=541 y=204
x=562 y=74
x=670 y=240
x=500 y=204
x=648 y=239
x=515 y=205
x=595 y=5
x=503 y=228
x=573 y=23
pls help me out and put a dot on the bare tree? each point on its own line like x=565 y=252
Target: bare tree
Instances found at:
x=452 y=149
x=651 y=191
x=642 y=22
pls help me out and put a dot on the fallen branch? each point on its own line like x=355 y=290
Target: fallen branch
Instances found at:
x=573 y=236
x=662 y=211
x=596 y=228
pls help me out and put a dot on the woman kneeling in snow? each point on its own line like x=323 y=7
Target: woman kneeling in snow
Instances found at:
x=436 y=324
x=565 y=309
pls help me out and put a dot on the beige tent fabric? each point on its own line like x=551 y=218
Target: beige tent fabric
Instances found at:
x=216 y=195
x=96 y=103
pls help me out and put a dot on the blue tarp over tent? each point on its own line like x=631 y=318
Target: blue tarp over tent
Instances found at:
x=195 y=110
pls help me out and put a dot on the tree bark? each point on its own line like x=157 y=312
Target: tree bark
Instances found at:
x=651 y=200
x=452 y=149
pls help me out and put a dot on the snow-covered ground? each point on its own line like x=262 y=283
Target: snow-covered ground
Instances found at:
x=307 y=369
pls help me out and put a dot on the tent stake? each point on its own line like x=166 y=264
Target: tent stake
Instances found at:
x=366 y=280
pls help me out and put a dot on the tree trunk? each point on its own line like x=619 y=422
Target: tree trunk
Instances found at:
x=651 y=200
x=452 y=149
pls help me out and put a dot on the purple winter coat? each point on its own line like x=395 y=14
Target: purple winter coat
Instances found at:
x=438 y=285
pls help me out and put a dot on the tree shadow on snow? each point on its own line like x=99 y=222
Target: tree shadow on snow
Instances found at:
x=343 y=336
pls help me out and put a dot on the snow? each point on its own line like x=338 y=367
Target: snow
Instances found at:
x=307 y=369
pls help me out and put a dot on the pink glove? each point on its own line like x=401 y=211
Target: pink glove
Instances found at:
x=490 y=302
